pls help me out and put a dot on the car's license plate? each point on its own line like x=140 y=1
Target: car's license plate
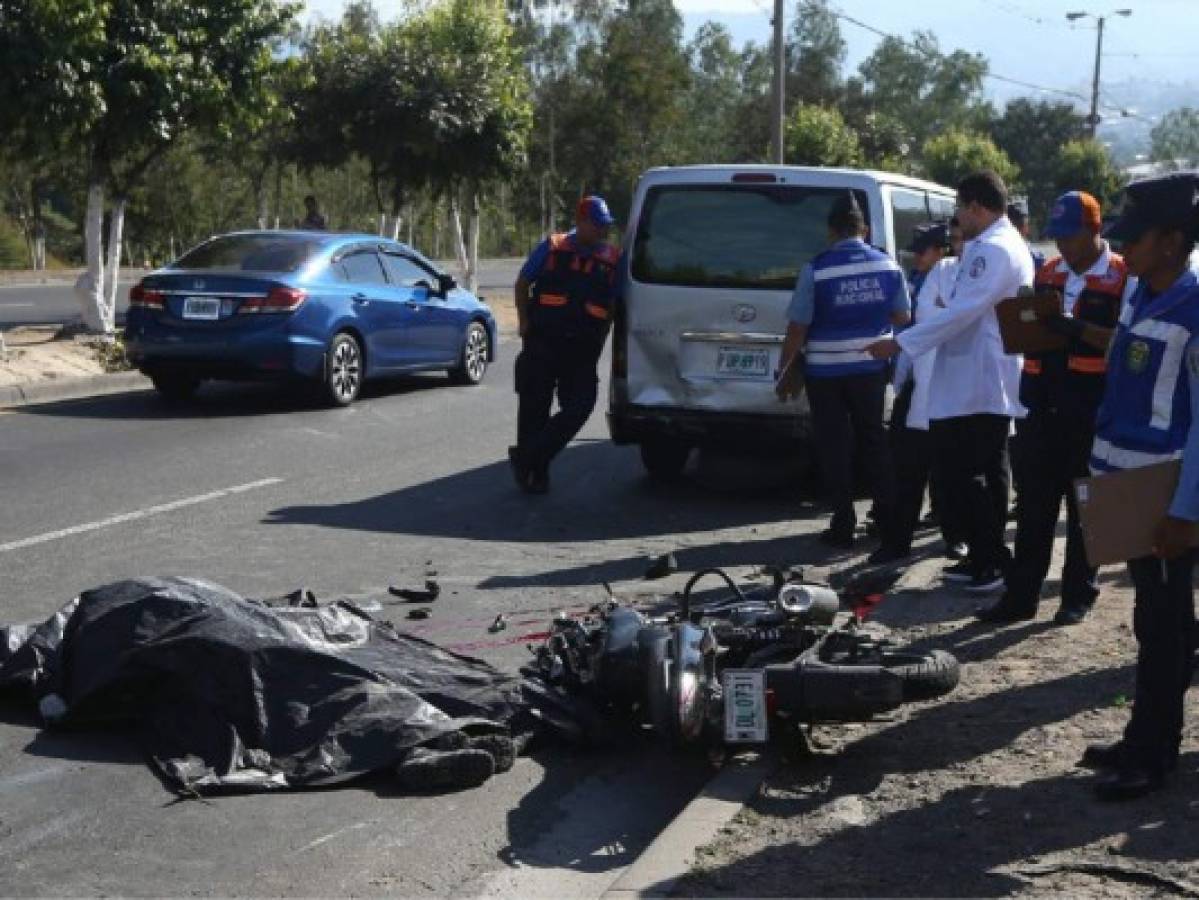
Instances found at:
x=201 y=307
x=742 y=362
x=745 y=715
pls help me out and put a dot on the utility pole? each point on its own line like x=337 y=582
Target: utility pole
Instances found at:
x=778 y=104
x=1093 y=118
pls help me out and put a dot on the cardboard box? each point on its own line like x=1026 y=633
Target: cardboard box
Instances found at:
x=1119 y=511
x=1020 y=325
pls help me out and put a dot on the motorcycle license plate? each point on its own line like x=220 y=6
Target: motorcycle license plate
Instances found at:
x=745 y=716
x=742 y=362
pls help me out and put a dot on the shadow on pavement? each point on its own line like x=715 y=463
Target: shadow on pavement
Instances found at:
x=224 y=400
x=588 y=502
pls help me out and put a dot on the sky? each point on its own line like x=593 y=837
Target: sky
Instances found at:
x=1027 y=40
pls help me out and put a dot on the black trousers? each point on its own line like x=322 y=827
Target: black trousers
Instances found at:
x=1163 y=620
x=546 y=367
x=1049 y=451
x=916 y=470
x=972 y=453
x=848 y=411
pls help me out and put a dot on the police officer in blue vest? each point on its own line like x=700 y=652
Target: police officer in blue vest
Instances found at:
x=564 y=302
x=1150 y=414
x=845 y=299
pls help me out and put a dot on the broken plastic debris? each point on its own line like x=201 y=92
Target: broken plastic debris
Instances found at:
x=499 y=624
x=422 y=612
x=431 y=592
x=661 y=566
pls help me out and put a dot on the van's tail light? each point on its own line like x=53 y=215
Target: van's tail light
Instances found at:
x=279 y=300
x=143 y=298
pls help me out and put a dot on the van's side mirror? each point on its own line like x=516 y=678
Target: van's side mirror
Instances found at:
x=445 y=283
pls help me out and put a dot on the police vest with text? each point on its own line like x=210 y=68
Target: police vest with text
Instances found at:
x=1097 y=304
x=574 y=292
x=1146 y=410
x=855 y=288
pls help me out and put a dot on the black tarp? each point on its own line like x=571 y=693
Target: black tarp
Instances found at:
x=239 y=694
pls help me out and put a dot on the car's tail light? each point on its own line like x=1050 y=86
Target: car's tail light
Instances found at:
x=279 y=300
x=143 y=298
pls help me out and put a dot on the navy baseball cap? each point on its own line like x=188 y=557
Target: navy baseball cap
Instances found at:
x=1072 y=213
x=1169 y=201
x=594 y=210
x=929 y=234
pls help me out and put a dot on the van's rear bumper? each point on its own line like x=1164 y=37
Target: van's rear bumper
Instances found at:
x=630 y=424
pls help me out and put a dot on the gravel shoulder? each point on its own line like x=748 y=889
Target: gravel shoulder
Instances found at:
x=978 y=794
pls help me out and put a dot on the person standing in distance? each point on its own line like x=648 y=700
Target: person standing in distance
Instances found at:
x=314 y=219
x=1150 y=414
x=1061 y=390
x=845 y=299
x=975 y=384
x=564 y=300
x=1017 y=214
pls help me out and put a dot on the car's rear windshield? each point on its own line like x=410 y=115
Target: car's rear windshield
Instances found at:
x=252 y=253
x=731 y=235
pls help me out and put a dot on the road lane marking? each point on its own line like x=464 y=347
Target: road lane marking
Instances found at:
x=17 y=305
x=137 y=514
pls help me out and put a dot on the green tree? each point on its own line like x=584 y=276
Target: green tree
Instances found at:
x=815 y=55
x=815 y=136
x=1175 y=139
x=119 y=82
x=951 y=156
x=1084 y=165
x=713 y=97
x=915 y=83
x=1032 y=134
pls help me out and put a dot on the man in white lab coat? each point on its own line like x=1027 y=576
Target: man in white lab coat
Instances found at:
x=975 y=385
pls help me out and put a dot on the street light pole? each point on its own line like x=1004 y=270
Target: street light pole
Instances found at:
x=1093 y=118
x=778 y=103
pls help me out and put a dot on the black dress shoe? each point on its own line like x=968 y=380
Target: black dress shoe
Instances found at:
x=1004 y=611
x=1070 y=615
x=834 y=538
x=1129 y=783
x=1103 y=756
x=539 y=483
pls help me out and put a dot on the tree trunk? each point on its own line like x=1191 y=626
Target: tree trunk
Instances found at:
x=260 y=202
x=90 y=286
x=472 y=271
x=457 y=236
x=112 y=269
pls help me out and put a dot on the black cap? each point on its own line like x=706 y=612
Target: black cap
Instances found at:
x=929 y=234
x=1169 y=201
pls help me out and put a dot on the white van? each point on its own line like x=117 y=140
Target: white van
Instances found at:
x=713 y=255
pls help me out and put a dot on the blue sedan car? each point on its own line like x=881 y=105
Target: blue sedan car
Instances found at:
x=332 y=309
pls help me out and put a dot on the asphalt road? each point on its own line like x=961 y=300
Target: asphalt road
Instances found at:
x=257 y=491
x=41 y=304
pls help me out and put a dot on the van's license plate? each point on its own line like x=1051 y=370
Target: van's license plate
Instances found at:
x=745 y=716
x=742 y=362
x=201 y=307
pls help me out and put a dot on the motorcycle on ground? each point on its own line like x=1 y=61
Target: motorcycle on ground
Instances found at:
x=736 y=670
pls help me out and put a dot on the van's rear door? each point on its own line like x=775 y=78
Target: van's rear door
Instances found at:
x=712 y=270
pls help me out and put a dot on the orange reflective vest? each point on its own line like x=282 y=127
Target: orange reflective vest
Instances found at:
x=574 y=292
x=1098 y=304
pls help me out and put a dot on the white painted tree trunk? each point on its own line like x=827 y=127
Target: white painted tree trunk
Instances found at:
x=112 y=269
x=90 y=286
x=382 y=224
x=396 y=222
x=457 y=238
x=472 y=266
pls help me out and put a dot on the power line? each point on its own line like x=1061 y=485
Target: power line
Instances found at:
x=841 y=14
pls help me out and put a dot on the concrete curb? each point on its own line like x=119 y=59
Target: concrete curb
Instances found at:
x=16 y=395
x=672 y=853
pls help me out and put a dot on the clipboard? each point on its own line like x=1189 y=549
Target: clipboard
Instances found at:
x=1119 y=511
x=1020 y=325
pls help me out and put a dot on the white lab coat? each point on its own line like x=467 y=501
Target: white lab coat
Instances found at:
x=971 y=373
x=933 y=298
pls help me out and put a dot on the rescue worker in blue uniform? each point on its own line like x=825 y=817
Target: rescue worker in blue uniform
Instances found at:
x=1150 y=414
x=845 y=299
x=1061 y=390
x=564 y=302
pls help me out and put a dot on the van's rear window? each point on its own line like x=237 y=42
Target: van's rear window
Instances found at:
x=731 y=235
